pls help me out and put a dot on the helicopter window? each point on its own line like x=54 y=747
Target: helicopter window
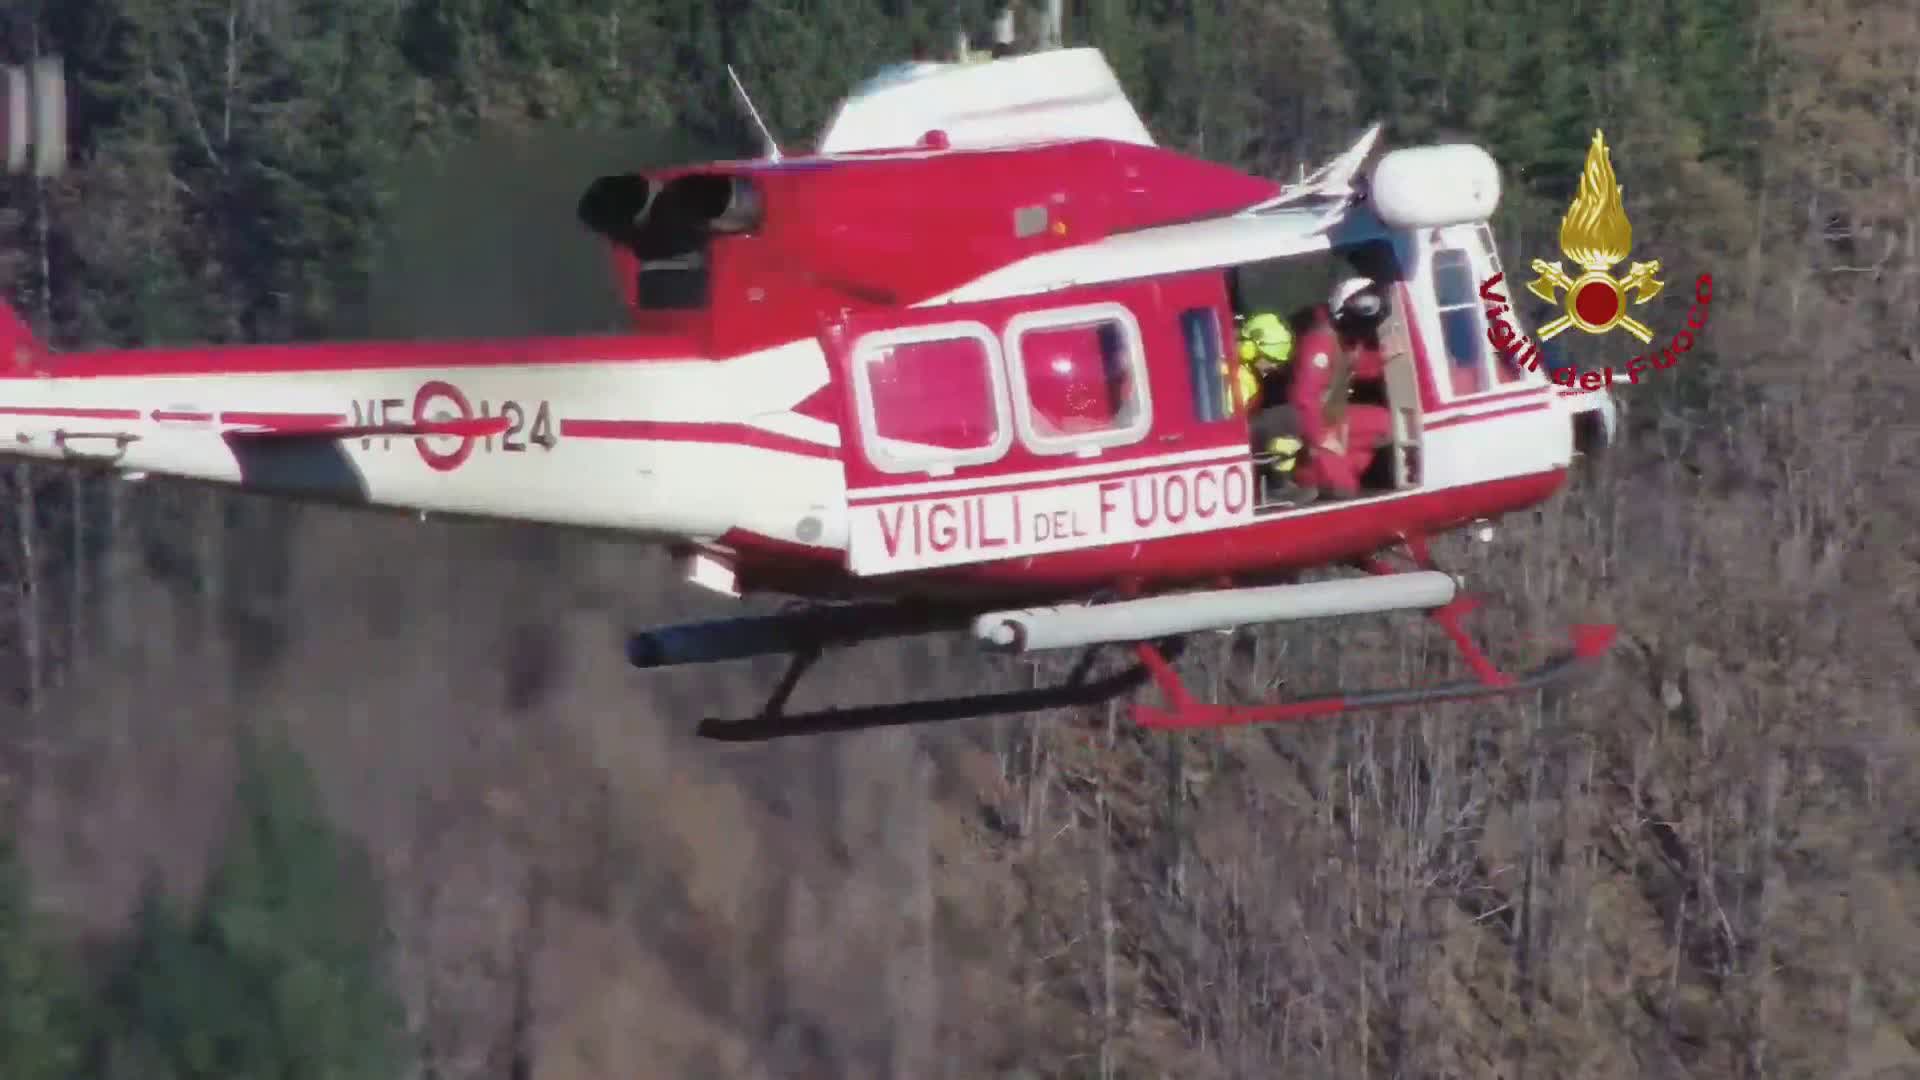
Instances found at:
x=1374 y=259
x=1452 y=277
x=1082 y=379
x=1206 y=365
x=1462 y=322
x=932 y=398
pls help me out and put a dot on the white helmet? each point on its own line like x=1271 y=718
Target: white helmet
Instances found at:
x=1352 y=298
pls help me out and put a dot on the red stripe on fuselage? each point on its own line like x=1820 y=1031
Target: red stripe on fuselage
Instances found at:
x=1496 y=414
x=667 y=431
x=1045 y=479
x=1490 y=399
x=284 y=421
x=1255 y=550
x=363 y=356
x=626 y=430
x=69 y=413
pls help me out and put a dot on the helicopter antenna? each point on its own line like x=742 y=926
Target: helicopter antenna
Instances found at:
x=740 y=95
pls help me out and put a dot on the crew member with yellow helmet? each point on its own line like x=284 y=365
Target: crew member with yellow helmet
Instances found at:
x=1266 y=345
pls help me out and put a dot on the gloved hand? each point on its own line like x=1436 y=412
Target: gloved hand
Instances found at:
x=1330 y=458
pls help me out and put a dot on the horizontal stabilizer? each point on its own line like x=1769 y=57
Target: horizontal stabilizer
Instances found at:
x=479 y=427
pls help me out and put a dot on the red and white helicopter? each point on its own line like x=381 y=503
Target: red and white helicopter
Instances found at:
x=964 y=367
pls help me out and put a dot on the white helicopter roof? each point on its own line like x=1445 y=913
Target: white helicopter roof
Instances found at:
x=1036 y=97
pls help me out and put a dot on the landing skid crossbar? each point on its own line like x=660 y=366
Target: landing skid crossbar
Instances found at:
x=805 y=635
x=788 y=633
x=1185 y=711
x=1075 y=691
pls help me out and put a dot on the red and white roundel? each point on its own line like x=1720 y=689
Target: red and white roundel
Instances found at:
x=439 y=402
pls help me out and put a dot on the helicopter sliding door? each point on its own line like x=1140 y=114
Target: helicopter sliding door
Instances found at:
x=995 y=431
x=1485 y=416
x=929 y=420
x=1403 y=388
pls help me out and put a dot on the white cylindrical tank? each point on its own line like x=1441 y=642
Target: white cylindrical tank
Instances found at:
x=1423 y=187
x=1074 y=625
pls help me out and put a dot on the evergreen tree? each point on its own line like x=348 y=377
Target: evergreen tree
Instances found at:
x=280 y=973
x=251 y=142
x=37 y=1018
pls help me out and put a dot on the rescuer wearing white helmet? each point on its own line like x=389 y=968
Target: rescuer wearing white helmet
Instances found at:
x=1342 y=346
x=1357 y=300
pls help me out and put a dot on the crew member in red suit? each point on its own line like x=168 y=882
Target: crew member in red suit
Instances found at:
x=1342 y=347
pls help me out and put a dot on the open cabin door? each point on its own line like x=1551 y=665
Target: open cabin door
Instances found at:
x=1403 y=390
x=1397 y=466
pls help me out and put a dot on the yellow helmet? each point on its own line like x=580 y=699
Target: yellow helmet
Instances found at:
x=1265 y=337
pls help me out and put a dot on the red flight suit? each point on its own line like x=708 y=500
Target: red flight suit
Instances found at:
x=1366 y=427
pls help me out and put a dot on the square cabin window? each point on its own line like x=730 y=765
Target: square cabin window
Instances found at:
x=1081 y=381
x=932 y=398
x=1207 y=367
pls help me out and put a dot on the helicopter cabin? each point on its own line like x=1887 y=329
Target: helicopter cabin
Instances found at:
x=1083 y=397
x=1431 y=338
x=1086 y=396
x=1028 y=318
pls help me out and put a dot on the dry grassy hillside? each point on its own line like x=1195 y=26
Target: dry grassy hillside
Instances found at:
x=1701 y=865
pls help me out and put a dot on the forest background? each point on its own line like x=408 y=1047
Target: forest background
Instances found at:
x=293 y=792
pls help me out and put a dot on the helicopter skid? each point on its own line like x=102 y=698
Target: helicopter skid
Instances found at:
x=805 y=635
x=1186 y=712
x=773 y=722
x=784 y=633
x=1590 y=643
